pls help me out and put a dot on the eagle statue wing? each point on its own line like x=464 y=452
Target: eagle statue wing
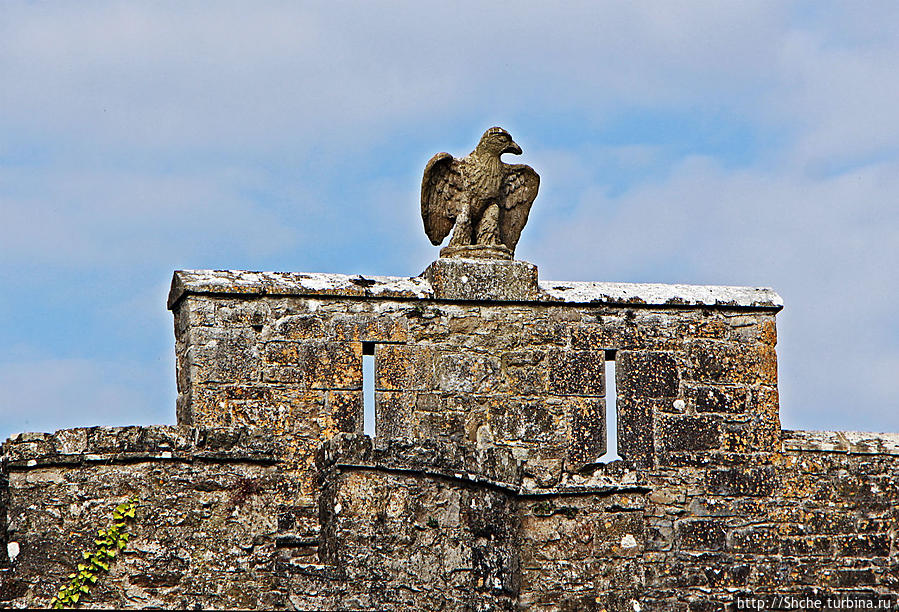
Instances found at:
x=519 y=189
x=441 y=196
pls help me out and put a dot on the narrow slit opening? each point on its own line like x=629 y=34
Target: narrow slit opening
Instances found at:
x=368 y=388
x=611 y=410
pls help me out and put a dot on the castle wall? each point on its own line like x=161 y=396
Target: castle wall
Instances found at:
x=211 y=503
x=428 y=525
x=421 y=525
x=820 y=518
x=485 y=487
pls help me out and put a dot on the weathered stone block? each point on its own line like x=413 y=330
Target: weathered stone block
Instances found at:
x=523 y=419
x=486 y=279
x=619 y=533
x=636 y=436
x=753 y=435
x=403 y=368
x=712 y=398
x=297 y=327
x=737 y=481
x=588 y=431
x=371 y=328
x=731 y=363
x=441 y=425
x=315 y=365
x=868 y=545
x=576 y=372
x=525 y=372
x=704 y=324
x=851 y=578
x=245 y=405
x=701 y=534
x=393 y=368
x=768 y=330
x=430 y=402
x=224 y=355
x=544 y=333
x=687 y=433
x=200 y=310
x=546 y=472
x=766 y=404
x=467 y=373
x=394 y=414
x=806 y=546
x=596 y=336
x=631 y=330
x=346 y=410
x=241 y=313
x=646 y=374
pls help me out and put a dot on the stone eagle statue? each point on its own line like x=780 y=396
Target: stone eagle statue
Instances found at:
x=482 y=200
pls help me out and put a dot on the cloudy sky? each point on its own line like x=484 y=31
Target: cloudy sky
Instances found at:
x=736 y=143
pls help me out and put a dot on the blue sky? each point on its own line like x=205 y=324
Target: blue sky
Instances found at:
x=751 y=143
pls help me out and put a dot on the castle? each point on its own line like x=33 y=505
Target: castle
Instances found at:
x=487 y=484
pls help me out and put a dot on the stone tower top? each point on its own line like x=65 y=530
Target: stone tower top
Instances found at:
x=476 y=350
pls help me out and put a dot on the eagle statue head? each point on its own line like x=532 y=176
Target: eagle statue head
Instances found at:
x=497 y=141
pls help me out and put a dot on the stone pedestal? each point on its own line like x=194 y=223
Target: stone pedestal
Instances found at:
x=457 y=278
x=477 y=251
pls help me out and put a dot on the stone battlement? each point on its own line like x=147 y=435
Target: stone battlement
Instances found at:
x=286 y=284
x=486 y=484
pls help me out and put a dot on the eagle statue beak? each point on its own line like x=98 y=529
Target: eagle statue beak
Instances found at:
x=513 y=149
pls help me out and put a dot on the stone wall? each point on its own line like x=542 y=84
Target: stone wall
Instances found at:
x=207 y=523
x=485 y=487
x=696 y=366
x=426 y=525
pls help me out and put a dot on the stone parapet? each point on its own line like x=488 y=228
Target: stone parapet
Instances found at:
x=493 y=467
x=190 y=545
x=480 y=354
x=287 y=284
x=423 y=524
x=484 y=485
x=133 y=444
x=849 y=442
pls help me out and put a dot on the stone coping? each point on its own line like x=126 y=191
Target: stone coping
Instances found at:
x=424 y=456
x=849 y=442
x=246 y=283
x=494 y=467
x=84 y=446
x=95 y=445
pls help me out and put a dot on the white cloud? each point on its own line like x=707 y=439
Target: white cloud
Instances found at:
x=285 y=77
x=220 y=76
x=114 y=217
x=842 y=98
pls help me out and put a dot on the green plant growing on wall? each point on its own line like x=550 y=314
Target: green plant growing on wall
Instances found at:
x=109 y=543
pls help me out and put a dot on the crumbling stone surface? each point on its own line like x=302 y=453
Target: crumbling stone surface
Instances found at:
x=422 y=524
x=484 y=487
x=816 y=516
x=492 y=279
x=524 y=369
x=206 y=531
